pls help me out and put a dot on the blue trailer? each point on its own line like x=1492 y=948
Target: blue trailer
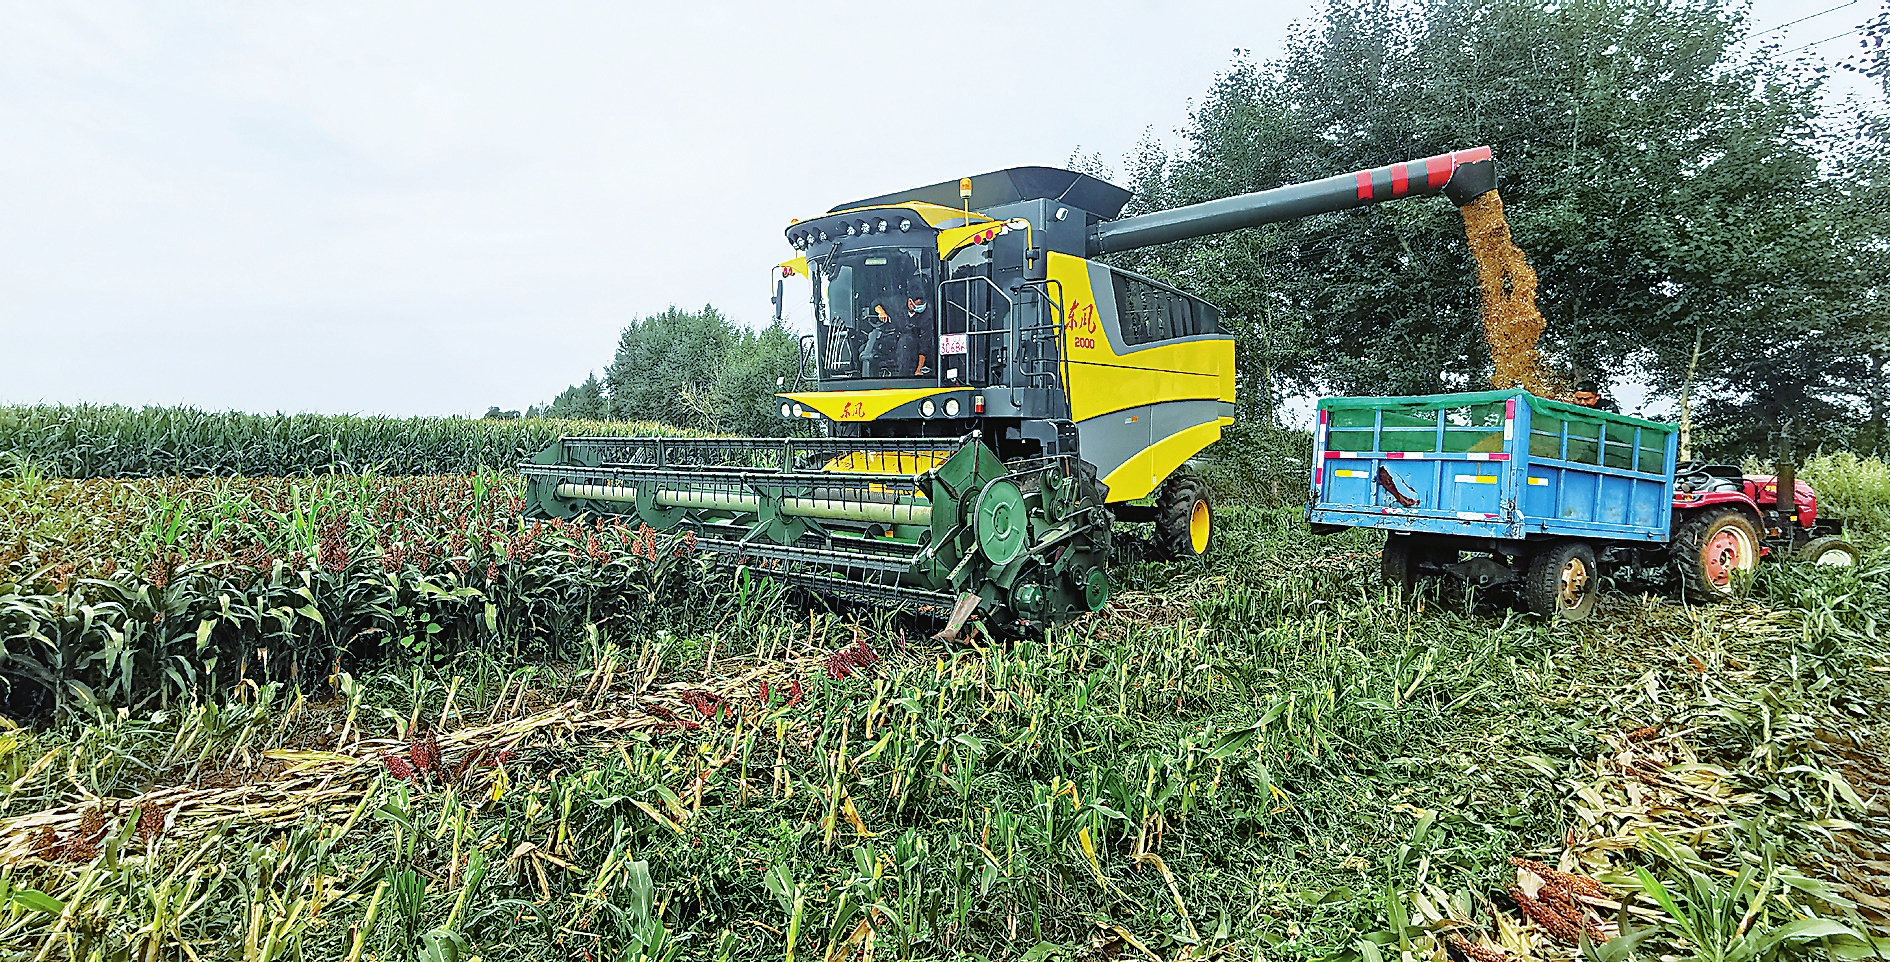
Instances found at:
x=1494 y=487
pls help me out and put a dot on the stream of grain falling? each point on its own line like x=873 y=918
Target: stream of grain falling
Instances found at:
x=1511 y=322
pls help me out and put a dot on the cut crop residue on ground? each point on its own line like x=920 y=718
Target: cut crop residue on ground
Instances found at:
x=1257 y=755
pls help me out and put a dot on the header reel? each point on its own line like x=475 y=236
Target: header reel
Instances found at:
x=916 y=521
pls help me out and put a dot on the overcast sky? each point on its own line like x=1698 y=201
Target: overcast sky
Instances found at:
x=400 y=208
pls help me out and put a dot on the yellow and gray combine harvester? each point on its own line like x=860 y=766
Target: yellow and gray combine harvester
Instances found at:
x=985 y=398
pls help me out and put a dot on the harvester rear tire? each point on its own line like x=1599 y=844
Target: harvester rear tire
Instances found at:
x=1712 y=548
x=1563 y=581
x=1184 y=518
x=1829 y=550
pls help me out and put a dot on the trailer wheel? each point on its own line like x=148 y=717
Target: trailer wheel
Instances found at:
x=1712 y=547
x=1184 y=518
x=1564 y=581
x=1398 y=564
x=1829 y=550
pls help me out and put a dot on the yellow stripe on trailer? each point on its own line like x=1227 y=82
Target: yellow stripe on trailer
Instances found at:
x=1476 y=479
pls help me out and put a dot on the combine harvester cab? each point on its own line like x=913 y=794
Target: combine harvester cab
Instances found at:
x=989 y=399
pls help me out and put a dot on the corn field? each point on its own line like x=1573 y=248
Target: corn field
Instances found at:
x=384 y=718
x=104 y=441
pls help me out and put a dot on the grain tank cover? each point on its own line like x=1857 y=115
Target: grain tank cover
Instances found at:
x=1011 y=185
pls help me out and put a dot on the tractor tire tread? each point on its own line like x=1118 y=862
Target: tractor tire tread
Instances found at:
x=1818 y=546
x=1691 y=538
x=1542 y=581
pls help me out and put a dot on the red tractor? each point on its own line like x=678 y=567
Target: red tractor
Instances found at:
x=1724 y=521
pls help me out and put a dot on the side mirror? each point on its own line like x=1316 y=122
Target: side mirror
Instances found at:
x=780 y=381
x=779 y=291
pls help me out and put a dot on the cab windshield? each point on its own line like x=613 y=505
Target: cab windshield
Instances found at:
x=876 y=312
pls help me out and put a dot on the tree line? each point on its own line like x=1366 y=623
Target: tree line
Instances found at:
x=697 y=370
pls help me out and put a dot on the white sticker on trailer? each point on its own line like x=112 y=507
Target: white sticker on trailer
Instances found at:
x=1476 y=479
x=1349 y=473
x=1474 y=516
x=1540 y=481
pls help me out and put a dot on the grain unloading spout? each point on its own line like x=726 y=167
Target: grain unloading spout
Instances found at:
x=1462 y=176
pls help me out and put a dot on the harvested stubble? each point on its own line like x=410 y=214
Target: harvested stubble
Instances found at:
x=1511 y=322
x=286 y=784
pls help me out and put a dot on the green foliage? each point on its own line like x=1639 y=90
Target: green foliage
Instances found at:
x=108 y=441
x=1259 y=464
x=696 y=370
x=1851 y=489
x=218 y=584
x=584 y=401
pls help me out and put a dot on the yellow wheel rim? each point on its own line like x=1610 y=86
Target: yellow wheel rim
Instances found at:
x=1200 y=523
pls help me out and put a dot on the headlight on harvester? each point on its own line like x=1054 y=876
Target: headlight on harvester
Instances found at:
x=797 y=410
x=951 y=407
x=927 y=408
x=787 y=410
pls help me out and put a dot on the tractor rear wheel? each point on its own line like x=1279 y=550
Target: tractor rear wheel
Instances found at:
x=1563 y=581
x=1184 y=517
x=1713 y=548
x=1829 y=550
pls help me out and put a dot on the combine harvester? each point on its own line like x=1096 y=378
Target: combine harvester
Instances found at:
x=988 y=399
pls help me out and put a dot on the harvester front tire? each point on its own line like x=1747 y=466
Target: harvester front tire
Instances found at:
x=1563 y=581
x=1184 y=518
x=1829 y=550
x=1713 y=548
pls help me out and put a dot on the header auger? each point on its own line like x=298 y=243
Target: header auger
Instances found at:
x=989 y=399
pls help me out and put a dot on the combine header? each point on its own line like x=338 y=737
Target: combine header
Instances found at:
x=989 y=399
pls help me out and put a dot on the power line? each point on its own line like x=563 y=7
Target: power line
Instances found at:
x=1835 y=36
x=1788 y=23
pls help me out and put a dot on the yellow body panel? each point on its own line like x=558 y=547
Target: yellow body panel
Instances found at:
x=1104 y=377
x=862 y=405
x=1140 y=475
